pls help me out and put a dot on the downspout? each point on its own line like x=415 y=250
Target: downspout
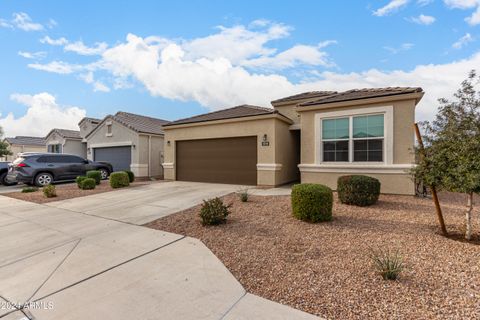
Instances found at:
x=149 y=155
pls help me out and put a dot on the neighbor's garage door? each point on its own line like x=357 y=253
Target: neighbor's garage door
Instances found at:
x=119 y=157
x=226 y=160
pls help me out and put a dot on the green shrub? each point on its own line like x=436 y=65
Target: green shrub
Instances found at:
x=79 y=180
x=88 y=184
x=388 y=264
x=49 y=191
x=312 y=202
x=358 y=190
x=119 y=179
x=29 y=189
x=214 y=212
x=243 y=195
x=131 y=175
x=95 y=175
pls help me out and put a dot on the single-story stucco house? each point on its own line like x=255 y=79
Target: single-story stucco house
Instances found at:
x=66 y=141
x=21 y=144
x=310 y=137
x=129 y=142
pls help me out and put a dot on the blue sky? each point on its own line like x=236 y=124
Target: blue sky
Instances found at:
x=171 y=59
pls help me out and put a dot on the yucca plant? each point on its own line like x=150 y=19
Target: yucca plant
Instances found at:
x=387 y=263
x=243 y=195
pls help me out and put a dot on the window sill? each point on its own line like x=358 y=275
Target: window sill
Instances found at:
x=357 y=168
x=109 y=135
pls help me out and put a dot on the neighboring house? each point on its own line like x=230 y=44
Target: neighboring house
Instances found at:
x=66 y=141
x=21 y=144
x=129 y=142
x=86 y=126
x=311 y=137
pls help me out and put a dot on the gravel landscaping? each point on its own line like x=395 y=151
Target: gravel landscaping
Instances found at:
x=325 y=268
x=67 y=191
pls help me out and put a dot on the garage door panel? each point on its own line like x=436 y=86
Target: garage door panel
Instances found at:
x=119 y=157
x=228 y=160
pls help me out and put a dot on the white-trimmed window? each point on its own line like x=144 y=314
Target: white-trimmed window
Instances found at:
x=353 y=139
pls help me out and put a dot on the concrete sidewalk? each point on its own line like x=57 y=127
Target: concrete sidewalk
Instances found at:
x=59 y=264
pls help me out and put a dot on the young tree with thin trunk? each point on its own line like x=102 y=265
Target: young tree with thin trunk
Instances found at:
x=452 y=146
x=4 y=149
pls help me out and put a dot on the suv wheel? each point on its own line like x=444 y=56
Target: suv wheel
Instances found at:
x=43 y=179
x=103 y=173
x=4 y=181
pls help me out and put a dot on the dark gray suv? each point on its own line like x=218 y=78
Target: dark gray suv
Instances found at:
x=43 y=169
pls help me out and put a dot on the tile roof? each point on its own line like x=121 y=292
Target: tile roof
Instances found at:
x=94 y=120
x=230 y=113
x=304 y=95
x=141 y=124
x=25 y=140
x=366 y=93
x=65 y=133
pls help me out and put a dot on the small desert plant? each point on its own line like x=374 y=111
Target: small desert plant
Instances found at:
x=358 y=190
x=119 y=179
x=29 y=189
x=214 y=212
x=312 y=202
x=88 y=184
x=49 y=191
x=79 y=180
x=387 y=263
x=243 y=195
x=95 y=175
x=131 y=175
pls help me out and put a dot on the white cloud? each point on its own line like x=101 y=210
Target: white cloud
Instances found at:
x=423 y=3
x=474 y=19
x=23 y=21
x=80 y=48
x=403 y=47
x=5 y=24
x=57 y=67
x=423 y=19
x=52 y=23
x=295 y=56
x=217 y=83
x=43 y=114
x=392 y=6
x=463 y=41
x=54 y=42
x=97 y=85
x=32 y=55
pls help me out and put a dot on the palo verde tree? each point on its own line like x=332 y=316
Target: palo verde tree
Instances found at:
x=451 y=159
x=4 y=148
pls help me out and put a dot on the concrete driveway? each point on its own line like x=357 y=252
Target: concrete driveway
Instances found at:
x=146 y=203
x=56 y=263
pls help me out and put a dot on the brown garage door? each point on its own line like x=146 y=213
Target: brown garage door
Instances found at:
x=226 y=160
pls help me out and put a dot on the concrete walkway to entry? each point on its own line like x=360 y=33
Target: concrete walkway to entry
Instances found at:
x=56 y=263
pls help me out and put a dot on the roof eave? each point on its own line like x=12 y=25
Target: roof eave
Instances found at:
x=276 y=115
x=417 y=96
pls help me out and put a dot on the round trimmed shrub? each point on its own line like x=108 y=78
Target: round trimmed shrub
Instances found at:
x=49 y=191
x=79 y=180
x=214 y=212
x=131 y=175
x=358 y=190
x=312 y=202
x=88 y=184
x=95 y=175
x=119 y=179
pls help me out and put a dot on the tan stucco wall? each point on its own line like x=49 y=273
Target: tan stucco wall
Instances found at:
x=123 y=136
x=86 y=127
x=403 y=143
x=243 y=128
x=75 y=147
x=16 y=149
x=390 y=183
x=287 y=153
x=289 y=111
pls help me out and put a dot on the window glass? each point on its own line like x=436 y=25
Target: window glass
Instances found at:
x=72 y=159
x=335 y=128
x=368 y=150
x=335 y=151
x=368 y=126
